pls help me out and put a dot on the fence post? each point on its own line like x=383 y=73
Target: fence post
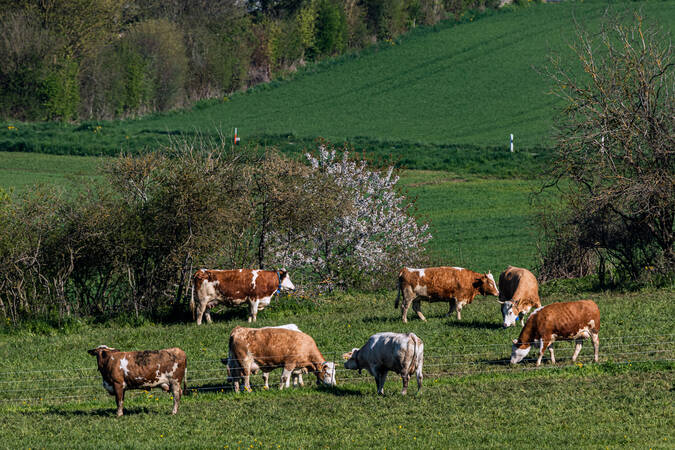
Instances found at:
x=511 y=142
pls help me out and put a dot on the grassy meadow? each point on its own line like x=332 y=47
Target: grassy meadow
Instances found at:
x=469 y=84
x=471 y=396
x=440 y=103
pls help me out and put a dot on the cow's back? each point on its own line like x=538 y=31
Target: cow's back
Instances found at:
x=274 y=346
x=439 y=282
x=518 y=284
x=393 y=351
x=565 y=319
x=148 y=368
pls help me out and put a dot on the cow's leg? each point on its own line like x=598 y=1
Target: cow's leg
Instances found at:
x=266 y=379
x=201 y=308
x=207 y=315
x=177 y=393
x=452 y=304
x=406 y=379
x=522 y=319
x=577 y=348
x=408 y=296
x=119 y=398
x=253 y=315
x=247 y=376
x=550 y=349
x=596 y=344
x=542 y=348
x=285 y=377
x=417 y=307
x=299 y=380
x=380 y=378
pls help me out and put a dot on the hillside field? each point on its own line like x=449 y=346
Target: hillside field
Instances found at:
x=469 y=84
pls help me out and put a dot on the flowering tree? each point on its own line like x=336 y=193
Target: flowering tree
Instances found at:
x=375 y=233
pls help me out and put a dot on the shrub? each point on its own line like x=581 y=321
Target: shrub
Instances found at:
x=364 y=244
x=614 y=162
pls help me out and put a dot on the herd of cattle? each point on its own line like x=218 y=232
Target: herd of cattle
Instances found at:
x=253 y=350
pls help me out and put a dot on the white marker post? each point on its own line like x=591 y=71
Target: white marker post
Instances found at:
x=511 y=142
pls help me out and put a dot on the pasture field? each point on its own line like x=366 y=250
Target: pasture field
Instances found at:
x=51 y=393
x=467 y=84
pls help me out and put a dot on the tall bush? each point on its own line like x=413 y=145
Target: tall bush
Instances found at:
x=615 y=163
x=365 y=244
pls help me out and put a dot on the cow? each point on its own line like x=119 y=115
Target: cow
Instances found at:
x=236 y=287
x=573 y=320
x=518 y=294
x=122 y=371
x=265 y=349
x=296 y=375
x=455 y=285
x=399 y=352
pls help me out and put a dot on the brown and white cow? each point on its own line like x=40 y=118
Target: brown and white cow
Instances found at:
x=518 y=294
x=296 y=376
x=455 y=285
x=572 y=320
x=236 y=287
x=122 y=371
x=399 y=352
x=266 y=349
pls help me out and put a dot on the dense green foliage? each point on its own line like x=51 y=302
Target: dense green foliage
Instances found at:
x=70 y=59
x=626 y=400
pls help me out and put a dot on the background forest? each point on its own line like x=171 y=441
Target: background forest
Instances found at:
x=102 y=59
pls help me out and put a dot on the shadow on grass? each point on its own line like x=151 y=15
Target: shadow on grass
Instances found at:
x=98 y=412
x=474 y=324
x=381 y=319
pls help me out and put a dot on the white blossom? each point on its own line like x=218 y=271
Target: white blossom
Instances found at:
x=376 y=235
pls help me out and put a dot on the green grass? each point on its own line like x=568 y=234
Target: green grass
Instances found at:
x=470 y=398
x=20 y=171
x=467 y=85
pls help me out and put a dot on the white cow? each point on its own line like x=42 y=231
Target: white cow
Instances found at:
x=399 y=352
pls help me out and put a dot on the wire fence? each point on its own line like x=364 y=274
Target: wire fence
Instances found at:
x=210 y=375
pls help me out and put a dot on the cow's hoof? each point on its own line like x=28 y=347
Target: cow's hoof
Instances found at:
x=266 y=388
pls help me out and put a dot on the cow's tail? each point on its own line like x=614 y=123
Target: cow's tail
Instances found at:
x=192 y=300
x=399 y=291
x=417 y=359
x=185 y=380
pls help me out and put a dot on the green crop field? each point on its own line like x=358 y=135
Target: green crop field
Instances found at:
x=52 y=394
x=469 y=84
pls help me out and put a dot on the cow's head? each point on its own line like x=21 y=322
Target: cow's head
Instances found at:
x=486 y=285
x=519 y=351
x=351 y=360
x=102 y=353
x=285 y=283
x=327 y=373
x=510 y=312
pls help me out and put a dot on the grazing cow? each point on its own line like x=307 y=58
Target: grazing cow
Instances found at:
x=265 y=349
x=399 y=352
x=296 y=375
x=236 y=287
x=122 y=371
x=442 y=284
x=518 y=294
x=573 y=320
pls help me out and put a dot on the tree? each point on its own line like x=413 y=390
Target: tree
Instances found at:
x=362 y=245
x=614 y=163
